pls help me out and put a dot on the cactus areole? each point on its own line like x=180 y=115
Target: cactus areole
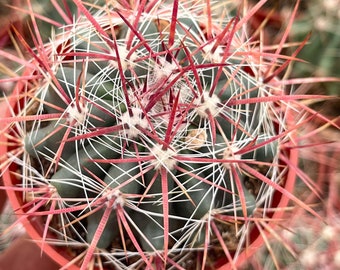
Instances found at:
x=146 y=138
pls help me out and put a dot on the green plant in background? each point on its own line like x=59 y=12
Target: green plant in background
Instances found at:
x=153 y=135
x=321 y=18
x=307 y=242
x=8 y=234
x=315 y=247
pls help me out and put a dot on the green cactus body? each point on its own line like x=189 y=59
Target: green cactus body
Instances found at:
x=68 y=78
x=151 y=222
x=70 y=181
x=109 y=233
x=121 y=173
x=47 y=141
x=265 y=153
x=199 y=199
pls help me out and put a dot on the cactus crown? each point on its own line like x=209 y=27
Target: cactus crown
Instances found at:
x=154 y=125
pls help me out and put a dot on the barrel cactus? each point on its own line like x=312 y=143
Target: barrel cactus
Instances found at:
x=151 y=135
